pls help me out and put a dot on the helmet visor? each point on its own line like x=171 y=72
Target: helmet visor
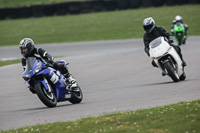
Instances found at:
x=147 y=28
x=24 y=51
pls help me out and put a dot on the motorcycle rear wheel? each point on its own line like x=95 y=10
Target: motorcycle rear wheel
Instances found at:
x=77 y=96
x=171 y=71
x=47 y=98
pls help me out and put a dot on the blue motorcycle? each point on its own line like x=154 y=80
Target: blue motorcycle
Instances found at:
x=48 y=83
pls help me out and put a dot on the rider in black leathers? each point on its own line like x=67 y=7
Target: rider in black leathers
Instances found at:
x=28 y=49
x=152 y=32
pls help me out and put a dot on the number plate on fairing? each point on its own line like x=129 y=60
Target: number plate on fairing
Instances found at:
x=68 y=96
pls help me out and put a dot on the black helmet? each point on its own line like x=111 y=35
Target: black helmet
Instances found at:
x=26 y=46
x=148 y=24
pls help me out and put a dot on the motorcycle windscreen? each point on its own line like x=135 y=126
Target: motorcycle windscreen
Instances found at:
x=29 y=65
x=155 y=42
x=158 y=47
x=179 y=28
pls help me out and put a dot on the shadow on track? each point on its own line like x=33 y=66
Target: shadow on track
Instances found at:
x=154 y=84
x=46 y=108
x=165 y=83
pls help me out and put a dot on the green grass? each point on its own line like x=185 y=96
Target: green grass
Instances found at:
x=9 y=62
x=21 y=3
x=183 y=117
x=95 y=26
x=15 y=61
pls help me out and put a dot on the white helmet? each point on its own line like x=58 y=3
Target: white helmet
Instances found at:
x=178 y=18
x=149 y=24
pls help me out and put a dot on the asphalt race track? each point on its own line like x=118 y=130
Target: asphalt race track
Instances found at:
x=114 y=76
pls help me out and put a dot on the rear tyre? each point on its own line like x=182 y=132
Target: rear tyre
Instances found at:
x=171 y=71
x=77 y=96
x=47 y=98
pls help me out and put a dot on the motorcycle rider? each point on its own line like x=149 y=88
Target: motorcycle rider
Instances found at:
x=179 y=19
x=28 y=49
x=153 y=32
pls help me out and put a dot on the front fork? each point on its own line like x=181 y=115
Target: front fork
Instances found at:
x=45 y=83
x=160 y=62
x=168 y=59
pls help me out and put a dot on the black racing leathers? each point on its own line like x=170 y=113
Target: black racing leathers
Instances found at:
x=39 y=52
x=157 y=32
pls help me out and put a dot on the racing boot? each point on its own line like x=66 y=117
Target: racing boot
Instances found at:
x=184 y=63
x=178 y=50
x=154 y=64
x=163 y=74
x=70 y=82
x=31 y=89
x=184 y=41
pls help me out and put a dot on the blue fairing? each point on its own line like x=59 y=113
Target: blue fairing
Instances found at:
x=44 y=83
x=36 y=68
x=59 y=87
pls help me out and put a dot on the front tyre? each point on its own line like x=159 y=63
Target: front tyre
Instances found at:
x=183 y=77
x=76 y=96
x=171 y=71
x=47 y=98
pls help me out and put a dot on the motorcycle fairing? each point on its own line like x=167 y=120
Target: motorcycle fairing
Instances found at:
x=59 y=87
x=179 y=32
x=159 y=52
x=47 y=71
x=156 y=49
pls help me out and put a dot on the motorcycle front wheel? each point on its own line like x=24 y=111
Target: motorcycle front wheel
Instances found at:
x=183 y=77
x=171 y=71
x=47 y=98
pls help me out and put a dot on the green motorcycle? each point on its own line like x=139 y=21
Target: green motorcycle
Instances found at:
x=179 y=33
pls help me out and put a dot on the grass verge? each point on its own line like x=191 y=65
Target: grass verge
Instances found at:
x=183 y=117
x=15 y=61
x=95 y=26
x=9 y=62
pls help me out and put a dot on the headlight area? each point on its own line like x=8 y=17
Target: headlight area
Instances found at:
x=26 y=77
x=37 y=69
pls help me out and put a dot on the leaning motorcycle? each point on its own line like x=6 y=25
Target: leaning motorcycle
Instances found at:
x=179 y=33
x=167 y=59
x=48 y=83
